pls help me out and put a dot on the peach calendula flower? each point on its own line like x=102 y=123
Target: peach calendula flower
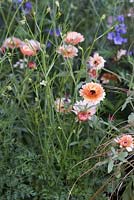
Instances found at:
x=27 y=50
x=73 y=38
x=96 y=61
x=67 y=51
x=126 y=141
x=12 y=42
x=92 y=92
x=63 y=105
x=84 y=110
x=30 y=47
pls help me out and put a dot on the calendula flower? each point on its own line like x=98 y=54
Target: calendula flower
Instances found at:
x=28 y=50
x=96 y=61
x=12 y=42
x=126 y=141
x=92 y=92
x=84 y=110
x=73 y=38
x=63 y=105
x=67 y=51
x=30 y=47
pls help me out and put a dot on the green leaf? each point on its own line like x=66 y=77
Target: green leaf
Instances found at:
x=118 y=172
x=128 y=100
x=113 y=150
x=131 y=119
x=73 y=143
x=128 y=194
x=122 y=156
x=110 y=165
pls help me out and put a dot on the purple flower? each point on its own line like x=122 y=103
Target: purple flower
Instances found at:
x=17 y=1
x=120 y=18
x=121 y=28
x=55 y=32
x=48 y=44
x=125 y=40
x=118 y=40
x=116 y=35
x=27 y=7
x=111 y=36
x=130 y=53
x=58 y=32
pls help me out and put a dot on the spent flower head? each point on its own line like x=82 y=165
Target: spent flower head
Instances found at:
x=63 y=105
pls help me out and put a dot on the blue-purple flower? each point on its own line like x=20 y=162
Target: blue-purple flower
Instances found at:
x=48 y=44
x=53 y=32
x=17 y=1
x=120 y=29
x=24 y=7
x=120 y=18
x=111 y=36
x=27 y=7
x=118 y=40
x=130 y=53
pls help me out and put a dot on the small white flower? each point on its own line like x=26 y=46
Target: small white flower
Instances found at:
x=120 y=53
x=22 y=63
x=44 y=83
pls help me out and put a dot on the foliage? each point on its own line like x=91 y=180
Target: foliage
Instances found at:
x=49 y=154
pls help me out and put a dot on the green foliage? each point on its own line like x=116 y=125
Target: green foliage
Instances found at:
x=129 y=191
x=46 y=154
